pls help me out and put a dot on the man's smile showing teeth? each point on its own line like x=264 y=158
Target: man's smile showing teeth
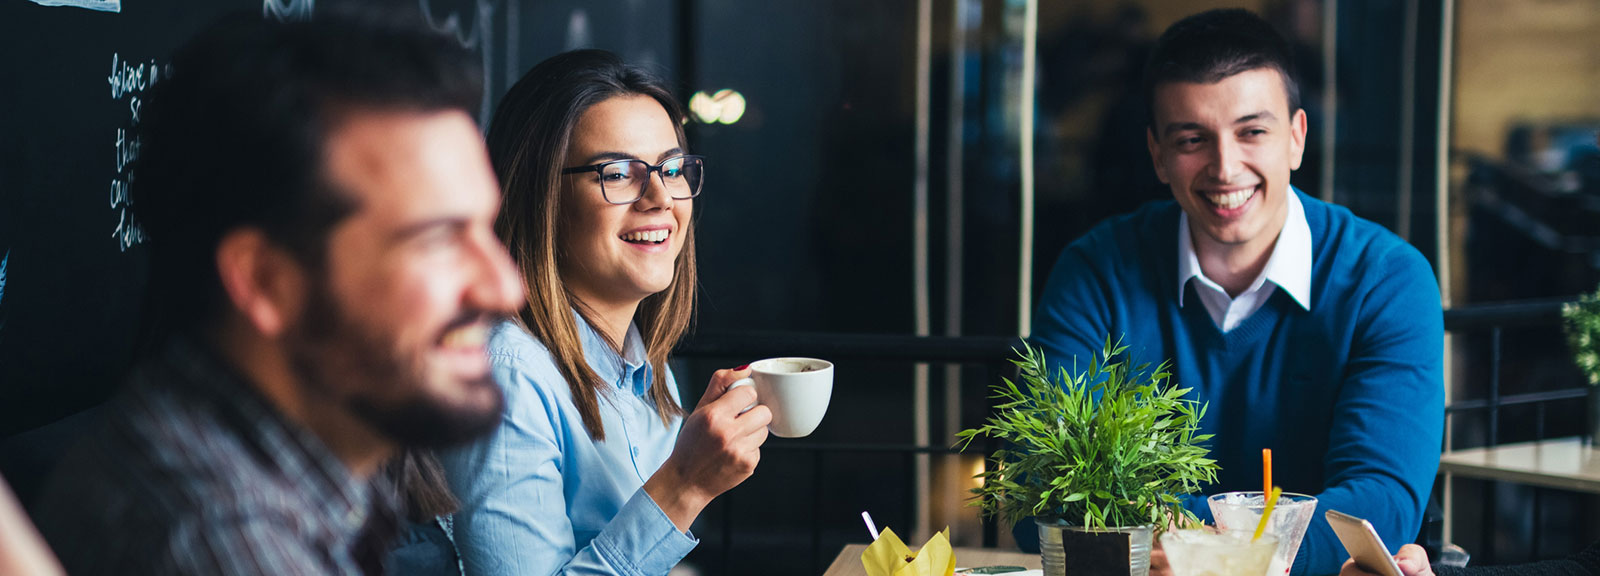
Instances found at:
x=1230 y=200
x=472 y=336
x=647 y=236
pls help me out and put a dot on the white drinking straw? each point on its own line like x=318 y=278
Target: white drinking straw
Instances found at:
x=871 y=528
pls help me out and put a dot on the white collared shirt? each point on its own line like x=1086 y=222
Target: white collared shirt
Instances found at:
x=1288 y=268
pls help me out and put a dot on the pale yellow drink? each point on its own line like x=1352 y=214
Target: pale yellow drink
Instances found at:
x=1211 y=552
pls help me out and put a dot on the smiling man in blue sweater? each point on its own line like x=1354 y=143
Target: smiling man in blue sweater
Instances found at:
x=1307 y=330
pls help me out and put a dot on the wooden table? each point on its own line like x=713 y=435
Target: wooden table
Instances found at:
x=1561 y=463
x=848 y=563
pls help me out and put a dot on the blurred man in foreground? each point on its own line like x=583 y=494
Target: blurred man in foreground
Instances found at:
x=323 y=275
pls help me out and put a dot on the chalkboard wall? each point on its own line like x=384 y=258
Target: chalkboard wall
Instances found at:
x=72 y=267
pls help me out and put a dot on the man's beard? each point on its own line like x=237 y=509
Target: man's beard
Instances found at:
x=339 y=359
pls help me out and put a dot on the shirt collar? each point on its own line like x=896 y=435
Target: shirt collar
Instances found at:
x=630 y=369
x=1289 y=267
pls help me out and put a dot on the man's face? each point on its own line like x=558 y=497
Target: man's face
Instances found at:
x=1226 y=149
x=395 y=329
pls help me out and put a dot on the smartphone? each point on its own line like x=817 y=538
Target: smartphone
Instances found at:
x=1363 y=544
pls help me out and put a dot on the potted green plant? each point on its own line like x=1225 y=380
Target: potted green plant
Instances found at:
x=1581 y=319
x=1099 y=458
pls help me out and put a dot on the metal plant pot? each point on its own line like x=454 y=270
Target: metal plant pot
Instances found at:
x=1074 y=551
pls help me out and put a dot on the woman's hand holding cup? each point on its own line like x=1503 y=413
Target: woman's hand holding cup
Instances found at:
x=718 y=448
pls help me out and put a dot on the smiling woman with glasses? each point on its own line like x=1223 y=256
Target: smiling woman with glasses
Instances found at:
x=597 y=468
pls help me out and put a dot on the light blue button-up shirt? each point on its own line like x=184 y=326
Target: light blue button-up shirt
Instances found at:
x=540 y=496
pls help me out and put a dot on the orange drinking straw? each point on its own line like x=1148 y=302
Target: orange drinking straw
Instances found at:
x=1266 y=472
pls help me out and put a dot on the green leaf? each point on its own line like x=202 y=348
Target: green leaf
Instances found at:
x=1581 y=322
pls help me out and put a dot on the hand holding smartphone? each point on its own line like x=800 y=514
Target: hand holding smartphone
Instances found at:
x=1363 y=544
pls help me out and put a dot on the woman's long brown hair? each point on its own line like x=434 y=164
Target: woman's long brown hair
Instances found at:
x=528 y=141
x=419 y=483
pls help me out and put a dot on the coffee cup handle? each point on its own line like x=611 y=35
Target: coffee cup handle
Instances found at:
x=743 y=382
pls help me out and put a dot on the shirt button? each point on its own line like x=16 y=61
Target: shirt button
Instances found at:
x=635 y=451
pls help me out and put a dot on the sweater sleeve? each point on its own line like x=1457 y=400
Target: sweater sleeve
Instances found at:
x=1585 y=563
x=1072 y=319
x=1388 y=419
x=1070 y=325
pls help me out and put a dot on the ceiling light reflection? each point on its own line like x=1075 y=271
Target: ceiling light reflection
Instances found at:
x=725 y=106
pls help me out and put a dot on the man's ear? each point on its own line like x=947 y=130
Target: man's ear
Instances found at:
x=1297 y=138
x=1155 y=154
x=264 y=283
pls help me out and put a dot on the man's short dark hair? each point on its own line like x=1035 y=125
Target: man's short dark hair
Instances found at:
x=1210 y=46
x=234 y=137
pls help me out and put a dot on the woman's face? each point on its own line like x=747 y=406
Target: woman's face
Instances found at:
x=617 y=254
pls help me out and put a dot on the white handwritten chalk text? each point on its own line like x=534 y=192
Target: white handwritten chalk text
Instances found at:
x=128 y=81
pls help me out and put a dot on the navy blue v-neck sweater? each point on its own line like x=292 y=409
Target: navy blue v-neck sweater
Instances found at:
x=1348 y=394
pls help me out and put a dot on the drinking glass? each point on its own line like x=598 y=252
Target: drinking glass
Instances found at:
x=1290 y=518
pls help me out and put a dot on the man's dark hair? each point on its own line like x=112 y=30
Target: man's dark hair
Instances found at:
x=234 y=137
x=1210 y=46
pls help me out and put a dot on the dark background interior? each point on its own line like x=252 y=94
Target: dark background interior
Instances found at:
x=806 y=221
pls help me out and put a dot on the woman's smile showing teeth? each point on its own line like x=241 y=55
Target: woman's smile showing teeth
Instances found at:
x=646 y=236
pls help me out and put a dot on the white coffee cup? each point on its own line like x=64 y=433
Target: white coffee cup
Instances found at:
x=795 y=389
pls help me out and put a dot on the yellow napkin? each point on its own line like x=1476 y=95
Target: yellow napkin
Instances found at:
x=890 y=557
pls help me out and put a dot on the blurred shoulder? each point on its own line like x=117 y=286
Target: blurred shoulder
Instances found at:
x=159 y=478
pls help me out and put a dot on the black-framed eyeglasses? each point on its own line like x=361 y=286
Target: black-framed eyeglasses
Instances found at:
x=622 y=181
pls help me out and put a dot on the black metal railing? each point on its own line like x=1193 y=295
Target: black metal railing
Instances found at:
x=1495 y=319
x=995 y=352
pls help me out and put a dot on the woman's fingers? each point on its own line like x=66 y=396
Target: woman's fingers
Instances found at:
x=721 y=380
